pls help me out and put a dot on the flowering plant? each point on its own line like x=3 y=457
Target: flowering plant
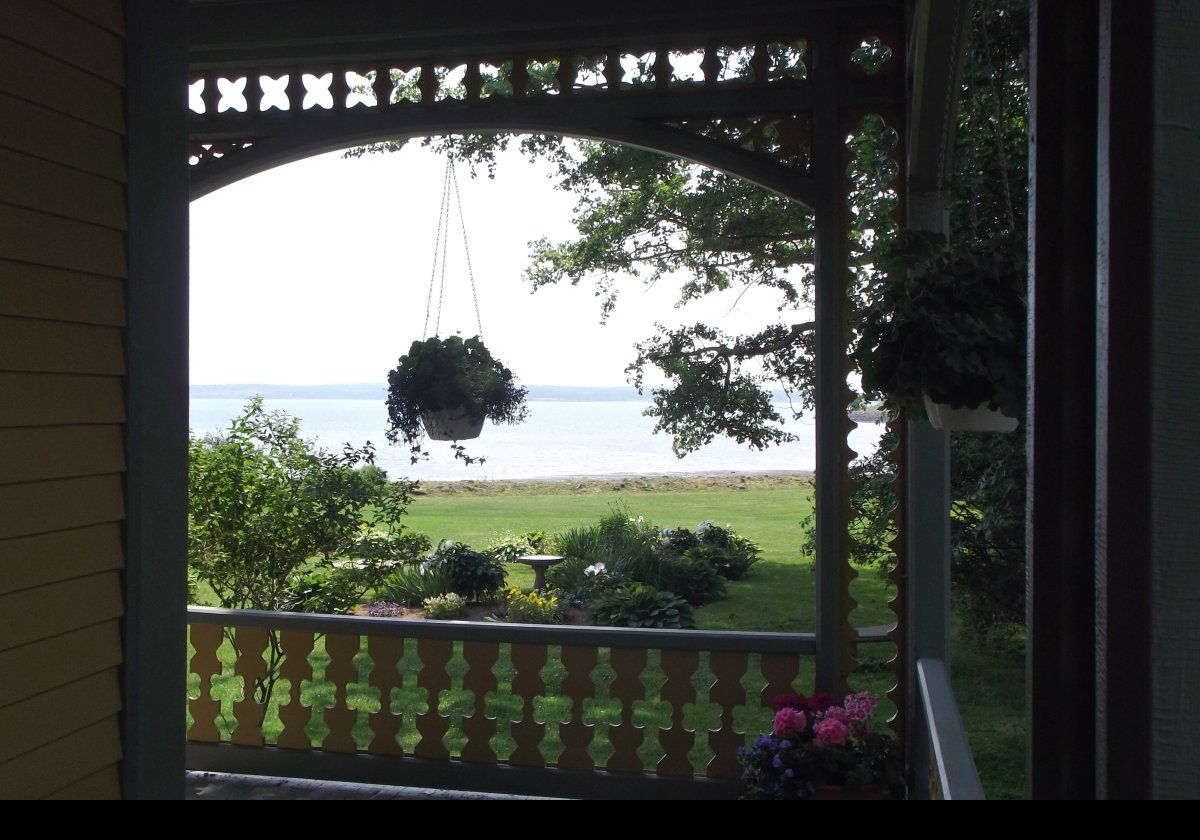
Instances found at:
x=817 y=742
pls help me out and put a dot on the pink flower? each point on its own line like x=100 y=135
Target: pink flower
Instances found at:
x=830 y=732
x=789 y=722
x=837 y=713
x=859 y=706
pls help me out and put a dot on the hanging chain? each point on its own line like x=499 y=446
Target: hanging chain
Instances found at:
x=441 y=245
x=466 y=250
x=437 y=246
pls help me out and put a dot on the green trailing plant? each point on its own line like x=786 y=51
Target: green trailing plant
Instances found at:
x=445 y=607
x=639 y=605
x=475 y=574
x=450 y=374
x=412 y=584
x=947 y=322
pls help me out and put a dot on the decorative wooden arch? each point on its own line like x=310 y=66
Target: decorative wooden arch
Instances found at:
x=774 y=91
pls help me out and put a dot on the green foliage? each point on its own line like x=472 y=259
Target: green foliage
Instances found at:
x=731 y=563
x=411 y=585
x=323 y=592
x=639 y=605
x=532 y=607
x=450 y=374
x=265 y=505
x=693 y=578
x=506 y=547
x=475 y=575
x=949 y=323
x=445 y=607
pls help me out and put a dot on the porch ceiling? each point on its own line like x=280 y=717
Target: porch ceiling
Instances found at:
x=276 y=32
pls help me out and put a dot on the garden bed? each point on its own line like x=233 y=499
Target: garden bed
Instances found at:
x=573 y=615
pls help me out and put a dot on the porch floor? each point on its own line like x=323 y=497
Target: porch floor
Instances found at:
x=204 y=786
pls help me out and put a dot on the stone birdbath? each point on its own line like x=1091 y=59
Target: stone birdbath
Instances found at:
x=540 y=563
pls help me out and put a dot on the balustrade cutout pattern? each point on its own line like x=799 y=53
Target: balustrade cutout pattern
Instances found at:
x=640 y=710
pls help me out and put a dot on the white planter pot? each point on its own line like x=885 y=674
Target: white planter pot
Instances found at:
x=977 y=419
x=451 y=424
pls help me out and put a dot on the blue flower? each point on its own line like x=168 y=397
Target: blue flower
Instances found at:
x=778 y=762
x=790 y=773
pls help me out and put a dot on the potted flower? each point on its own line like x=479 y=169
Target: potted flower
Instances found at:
x=822 y=748
x=446 y=388
x=944 y=333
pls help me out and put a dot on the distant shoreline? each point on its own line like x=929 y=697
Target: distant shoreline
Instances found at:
x=622 y=483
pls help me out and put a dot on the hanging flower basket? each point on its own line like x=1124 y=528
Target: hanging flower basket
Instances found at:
x=446 y=389
x=980 y=418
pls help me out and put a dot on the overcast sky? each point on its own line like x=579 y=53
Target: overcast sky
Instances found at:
x=317 y=272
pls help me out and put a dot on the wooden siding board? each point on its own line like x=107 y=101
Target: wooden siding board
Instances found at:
x=45 y=506
x=53 y=452
x=99 y=786
x=33 y=614
x=26 y=725
x=49 y=768
x=34 y=399
x=28 y=562
x=65 y=36
x=33 y=237
x=49 y=663
x=30 y=128
x=53 y=294
x=32 y=345
x=39 y=184
x=107 y=14
x=36 y=77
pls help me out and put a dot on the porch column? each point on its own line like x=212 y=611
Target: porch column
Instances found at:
x=1147 y=449
x=1062 y=373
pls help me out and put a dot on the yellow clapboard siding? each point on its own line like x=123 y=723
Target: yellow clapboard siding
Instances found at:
x=30 y=128
x=33 y=614
x=33 y=237
x=43 y=399
x=49 y=663
x=108 y=14
x=26 y=562
x=36 y=77
x=104 y=785
x=53 y=294
x=44 y=506
x=49 y=768
x=50 y=452
x=27 y=181
x=31 y=345
x=58 y=712
x=65 y=36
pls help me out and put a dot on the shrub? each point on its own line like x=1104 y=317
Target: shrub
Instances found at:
x=533 y=607
x=581 y=544
x=411 y=585
x=694 y=579
x=506 y=546
x=679 y=540
x=732 y=562
x=473 y=573
x=327 y=592
x=642 y=606
x=445 y=607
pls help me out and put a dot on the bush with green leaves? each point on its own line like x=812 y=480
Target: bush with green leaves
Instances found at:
x=445 y=607
x=679 y=540
x=475 y=574
x=412 y=584
x=640 y=605
x=694 y=579
x=506 y=546
x=732 y=562
x=323 y=591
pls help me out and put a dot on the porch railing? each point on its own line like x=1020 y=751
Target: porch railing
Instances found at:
x=952 y=773
x=566 y=711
